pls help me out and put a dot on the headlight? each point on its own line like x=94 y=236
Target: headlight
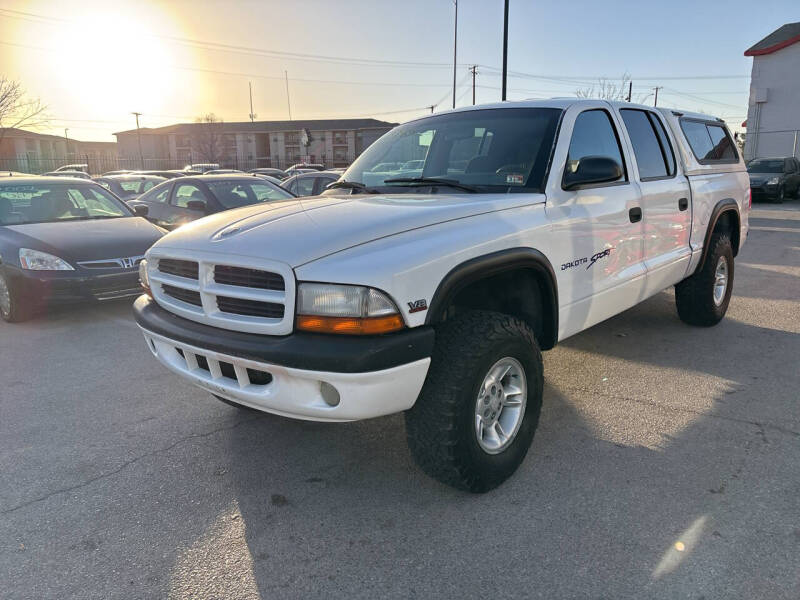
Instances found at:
x=774 y=181
x=352 y=309
x=34 y=260
x=144 y=280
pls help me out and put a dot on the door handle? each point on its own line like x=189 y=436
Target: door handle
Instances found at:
x=683 y=204
x=635 y=214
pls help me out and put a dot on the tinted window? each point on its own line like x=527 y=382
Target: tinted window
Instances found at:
x=187 y=192
x=646 y=146
x=709 y=142
x=593 y=135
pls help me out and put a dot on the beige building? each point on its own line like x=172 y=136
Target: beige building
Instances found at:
x=333 y=142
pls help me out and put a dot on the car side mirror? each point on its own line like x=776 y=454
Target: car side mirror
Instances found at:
x=141 y=210
x=593 y=169
x=198 y=205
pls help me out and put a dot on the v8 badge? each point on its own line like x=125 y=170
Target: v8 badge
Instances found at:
x=417 y=306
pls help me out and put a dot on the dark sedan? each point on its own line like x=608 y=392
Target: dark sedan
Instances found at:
x=277 y=173
x=774 y=178
x=310 y=184
x=66 y=240
x=178 y=201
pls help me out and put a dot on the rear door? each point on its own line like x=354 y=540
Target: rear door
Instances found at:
x=792 y=177
x=157 y=202
x=666 y=211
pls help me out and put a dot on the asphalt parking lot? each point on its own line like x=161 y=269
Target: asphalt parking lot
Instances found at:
x=666 y=465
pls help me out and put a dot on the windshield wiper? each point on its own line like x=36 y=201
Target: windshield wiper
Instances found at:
x=350 y=185
x=421 y=181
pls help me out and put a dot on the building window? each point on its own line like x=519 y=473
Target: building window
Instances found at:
x=339 y=138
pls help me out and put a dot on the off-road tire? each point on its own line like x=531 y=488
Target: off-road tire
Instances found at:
x=694 y=296
x=441 y=425
x=17 y=312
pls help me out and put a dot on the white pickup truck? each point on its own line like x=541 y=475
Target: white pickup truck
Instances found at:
x=428 y=278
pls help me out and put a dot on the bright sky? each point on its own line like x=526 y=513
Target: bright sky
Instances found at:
x=94 y=62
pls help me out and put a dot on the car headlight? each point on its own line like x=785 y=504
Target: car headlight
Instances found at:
x=774 y=181
x=349 y=309
x=34 y=260
x=144 y=279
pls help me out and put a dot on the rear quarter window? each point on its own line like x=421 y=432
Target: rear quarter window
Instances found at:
x=709 y=142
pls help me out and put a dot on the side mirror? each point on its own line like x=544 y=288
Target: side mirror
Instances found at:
x=198 y=205
x=593 y=169
x=141 y=210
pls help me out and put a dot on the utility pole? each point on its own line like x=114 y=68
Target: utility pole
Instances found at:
x=455 y=52
x=505 y=49
x=66 y=141
x=655 y=100
x=474 y=70
x=139 y=139
x=630 y=90
x=288 y=102
x=252 y=114
x=432 y=106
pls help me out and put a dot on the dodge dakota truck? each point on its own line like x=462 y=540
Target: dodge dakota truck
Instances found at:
x=429 y=277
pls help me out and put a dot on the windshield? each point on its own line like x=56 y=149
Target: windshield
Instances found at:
x=765 y=166
x=232 y=194
x=493 y=150
x=43 y=203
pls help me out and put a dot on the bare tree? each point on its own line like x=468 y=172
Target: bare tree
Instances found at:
x=209 y=141
x=605 y=89
x=16 y=109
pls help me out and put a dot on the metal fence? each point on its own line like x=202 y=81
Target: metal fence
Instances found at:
x=103 y=164
x=762 y=144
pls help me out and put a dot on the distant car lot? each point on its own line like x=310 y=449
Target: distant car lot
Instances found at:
x=660 y=470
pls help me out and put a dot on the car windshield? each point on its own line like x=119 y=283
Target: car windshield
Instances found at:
x=491 y=150
x=766 y=166
x=232 y=194
x=47 y=202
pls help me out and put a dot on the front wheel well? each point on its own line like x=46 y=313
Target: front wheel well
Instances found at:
x=522 y=292
x=728 y=223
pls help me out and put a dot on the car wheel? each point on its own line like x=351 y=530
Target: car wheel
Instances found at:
x=11 y=309
x=475 y=417
x=703 y=298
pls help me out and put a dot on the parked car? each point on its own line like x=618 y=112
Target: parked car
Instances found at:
x=75 y=167
x=312 y=166
x=117 y=172
x=433 y=295
x=774 y=178
x=222 y=172
x=277 y=173
x=164 y=174
x=129 y=186
x=178 y=201
x=274 y=180
x=75 y=174
x=312 y=183
x=201 y=167
x=66 y=240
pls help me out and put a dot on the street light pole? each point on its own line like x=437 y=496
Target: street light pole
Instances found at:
x=455 y=52
x=139 y=139
x=66 y=141
x=655 y=100
x=505 y=49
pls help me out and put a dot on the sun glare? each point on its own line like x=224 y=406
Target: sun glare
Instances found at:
x=126 y=64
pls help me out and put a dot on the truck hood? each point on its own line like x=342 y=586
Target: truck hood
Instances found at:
x=299 y=231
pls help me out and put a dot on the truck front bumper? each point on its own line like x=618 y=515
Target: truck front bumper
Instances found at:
x=305 y=376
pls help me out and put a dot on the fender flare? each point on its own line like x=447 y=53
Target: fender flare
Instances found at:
x=487 y=265
x=722 y=207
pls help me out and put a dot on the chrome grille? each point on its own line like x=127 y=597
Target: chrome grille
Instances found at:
x=240 y=293
x=129 y=262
